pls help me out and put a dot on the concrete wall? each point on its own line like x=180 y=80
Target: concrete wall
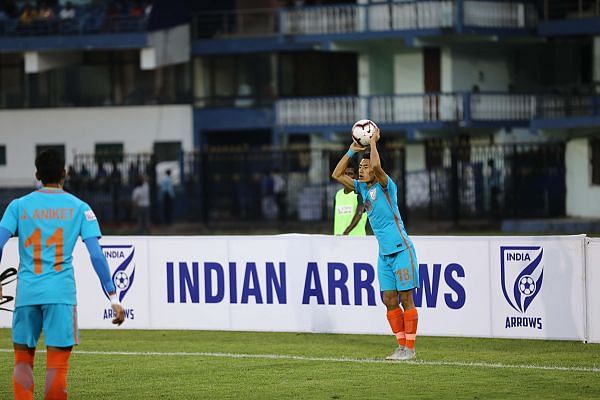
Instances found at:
x=382 y=72
x=415 y=157
x=408 y=72
x=583 y=198
x=462 y=68
x=79 y=129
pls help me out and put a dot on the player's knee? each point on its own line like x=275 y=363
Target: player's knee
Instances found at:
x=406 y=299
x=390 y=299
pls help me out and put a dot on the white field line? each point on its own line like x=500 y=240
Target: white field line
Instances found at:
x=331 y=359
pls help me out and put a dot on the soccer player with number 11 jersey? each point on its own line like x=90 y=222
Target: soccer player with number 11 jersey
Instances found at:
x=48 y=223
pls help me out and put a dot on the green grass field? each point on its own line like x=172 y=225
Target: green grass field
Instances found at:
x=146 y=365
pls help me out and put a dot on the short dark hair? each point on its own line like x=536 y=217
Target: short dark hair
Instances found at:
x=367 y=155
x=50 y=165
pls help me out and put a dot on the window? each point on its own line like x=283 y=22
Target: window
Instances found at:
x=2 y=154
x=318 y=74
x=12 y=78
x=108 y=152
x=100 y=78
x=167 y=151
x=242 y=81
x=595 y=160
x=58 y=147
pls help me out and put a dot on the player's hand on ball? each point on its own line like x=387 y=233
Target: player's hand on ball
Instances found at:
x=119 y=313
x=376 y=135
x=355 y=147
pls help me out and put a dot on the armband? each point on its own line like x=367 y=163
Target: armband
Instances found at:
x=113 y=299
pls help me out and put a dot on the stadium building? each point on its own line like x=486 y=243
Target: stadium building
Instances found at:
x=484 y=105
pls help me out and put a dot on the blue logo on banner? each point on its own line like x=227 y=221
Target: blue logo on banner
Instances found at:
x=521 y=272
x=124 y=274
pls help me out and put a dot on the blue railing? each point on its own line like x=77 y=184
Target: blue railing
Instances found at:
x=425 y=108
x=86 y=24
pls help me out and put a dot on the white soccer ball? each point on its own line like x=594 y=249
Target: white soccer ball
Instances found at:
x=362 y=131
x=121 y=280
x=527 y=285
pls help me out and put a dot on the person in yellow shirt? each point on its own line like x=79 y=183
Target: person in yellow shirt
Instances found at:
x=349 y=217
x=28 y=15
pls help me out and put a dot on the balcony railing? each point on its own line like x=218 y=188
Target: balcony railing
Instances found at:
x=413 y=108
x=571 y=9
x=364 y=18
x=320 y=110
x=501 y=107
x=460 y=108
x=86 y=24
x=323 y=20
x=493 y=14
x=417 y=108
x=238 y=23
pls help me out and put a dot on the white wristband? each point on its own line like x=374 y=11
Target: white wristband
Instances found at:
x=113 y=299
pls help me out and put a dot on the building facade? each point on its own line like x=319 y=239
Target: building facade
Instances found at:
x=495 y=77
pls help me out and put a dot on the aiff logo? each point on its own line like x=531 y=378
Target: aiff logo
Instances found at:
x=521 y=272
x=120 y=259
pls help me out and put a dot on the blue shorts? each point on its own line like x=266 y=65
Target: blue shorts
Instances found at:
x=398 y=271
x=58 y=321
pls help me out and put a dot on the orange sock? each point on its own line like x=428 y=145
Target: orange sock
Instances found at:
x=396 y=320
x=411 y=319
x=23 y=374
x=57 y=366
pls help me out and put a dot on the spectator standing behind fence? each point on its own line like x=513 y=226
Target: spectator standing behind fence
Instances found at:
x=167 y=194
x=147 y=8
x=269 y=207
x=28 y=15
x=116 y=182
x=102 y=178
x=141 y=203
x=494 y=187
x=279 y=191
x=46 y=12
x=349 y=217
x=68 y=12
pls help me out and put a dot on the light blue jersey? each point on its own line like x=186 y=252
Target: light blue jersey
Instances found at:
x=48 y=223
x=382 y=209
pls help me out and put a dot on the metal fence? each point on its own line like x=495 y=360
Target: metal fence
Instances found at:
x=106 y=182
x=463 y=181
x=277 y=185
x=271 y=186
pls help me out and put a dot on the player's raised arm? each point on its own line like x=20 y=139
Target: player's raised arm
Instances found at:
x=340 y=168
x=8 y=227
x=5 y=234
x=101 y=267
x=380 y=174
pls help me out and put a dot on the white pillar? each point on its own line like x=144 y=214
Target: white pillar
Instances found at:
x=364 y=81
x=596 y=59
x=318 y=165
x=166 y=47
x=39 y=62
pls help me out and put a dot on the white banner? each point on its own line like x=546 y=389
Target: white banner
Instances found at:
x=527 y=287
x=593 y=294
x=537 y=287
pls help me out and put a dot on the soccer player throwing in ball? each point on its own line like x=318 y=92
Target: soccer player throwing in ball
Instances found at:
x=397 y=267
x=48 y=222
